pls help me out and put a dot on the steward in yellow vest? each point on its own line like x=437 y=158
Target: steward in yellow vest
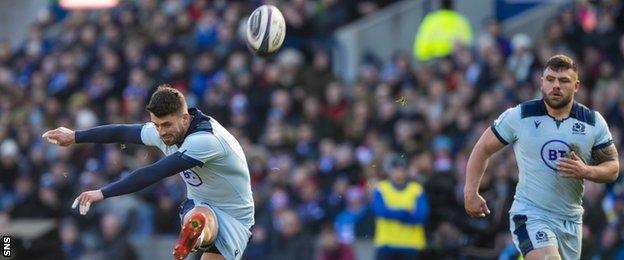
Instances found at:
x=439 y=31
x=401 y=208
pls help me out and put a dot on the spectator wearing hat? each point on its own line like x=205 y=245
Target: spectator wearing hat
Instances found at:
x=401 y=208
x=354 y=221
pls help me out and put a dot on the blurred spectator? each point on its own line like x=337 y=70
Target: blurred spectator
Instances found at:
x=356 y=220
x=329 y=14
x=114 y=244
x=401 y=210
x=322 y=126
x=612 y=244
x=440 y=31
x=521 y=61
x=291 y=241
x=259 y=245
x=313 y=79
x=316 y=145
x=331 y=248
x=72 y=246
x=8 y=164
x=494 y=30
x=32 y=203
x=310 y=210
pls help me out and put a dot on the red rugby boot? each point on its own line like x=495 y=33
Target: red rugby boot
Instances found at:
x=190 y=233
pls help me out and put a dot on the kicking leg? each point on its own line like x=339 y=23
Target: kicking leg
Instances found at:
x=199 y=228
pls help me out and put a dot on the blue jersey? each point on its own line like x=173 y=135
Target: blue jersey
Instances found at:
x=538 y=142
x=221 y=177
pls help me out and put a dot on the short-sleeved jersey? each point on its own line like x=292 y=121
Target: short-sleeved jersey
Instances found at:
x=221 y=177
x=539 y=140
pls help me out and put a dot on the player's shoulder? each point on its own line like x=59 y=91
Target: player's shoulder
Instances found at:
x=200 y=129
x=199 y=138
x=148 y=125
x=511 y=113
x=202 y=143
x=536 y=108
x=581 y=113
x=532 y=108
x=148 y=130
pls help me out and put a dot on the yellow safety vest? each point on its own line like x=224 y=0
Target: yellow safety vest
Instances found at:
x=438 y=32
x=394 y=233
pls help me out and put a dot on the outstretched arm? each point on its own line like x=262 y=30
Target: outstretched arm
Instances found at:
x=148 y=175
x=116 y=133
x=487 y=145
x=137 y=180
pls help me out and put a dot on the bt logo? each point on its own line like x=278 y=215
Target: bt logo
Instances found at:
x=552 y=154
x=191 y=178
x=552 y=151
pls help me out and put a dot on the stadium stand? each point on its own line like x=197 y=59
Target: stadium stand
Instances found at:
x=314 y=151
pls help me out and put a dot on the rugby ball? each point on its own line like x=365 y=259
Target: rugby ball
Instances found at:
x=265 y=30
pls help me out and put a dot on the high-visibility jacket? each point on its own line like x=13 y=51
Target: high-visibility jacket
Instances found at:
x=399 y=216
x=438 y=32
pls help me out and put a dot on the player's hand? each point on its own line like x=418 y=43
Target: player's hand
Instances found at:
x=572 y=167
x=60 y=136
x=475 y=205
x=85 y=199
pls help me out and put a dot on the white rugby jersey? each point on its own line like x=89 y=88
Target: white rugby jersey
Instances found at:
x=221 y=177
x=538 y=142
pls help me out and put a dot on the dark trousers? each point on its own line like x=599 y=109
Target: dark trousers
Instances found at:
x=385 y=253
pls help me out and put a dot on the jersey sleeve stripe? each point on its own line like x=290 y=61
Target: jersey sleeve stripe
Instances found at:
x=603 y=145
x=188 y=158
x=500 y=138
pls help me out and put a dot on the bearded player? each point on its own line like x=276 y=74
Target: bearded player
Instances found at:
x=219 y=210
x=558 y=143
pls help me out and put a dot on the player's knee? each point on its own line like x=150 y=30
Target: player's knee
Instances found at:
x=211 y=256
x=551 y=256
x=210 y=218
x=210 y=227
x=544 y=253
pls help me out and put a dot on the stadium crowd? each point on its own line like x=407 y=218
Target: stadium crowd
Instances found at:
x=316 y=147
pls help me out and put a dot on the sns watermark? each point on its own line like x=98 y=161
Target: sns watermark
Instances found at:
x=6 y=246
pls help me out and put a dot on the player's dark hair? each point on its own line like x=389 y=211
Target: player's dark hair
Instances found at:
x=166 y=101
x=561 y=62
